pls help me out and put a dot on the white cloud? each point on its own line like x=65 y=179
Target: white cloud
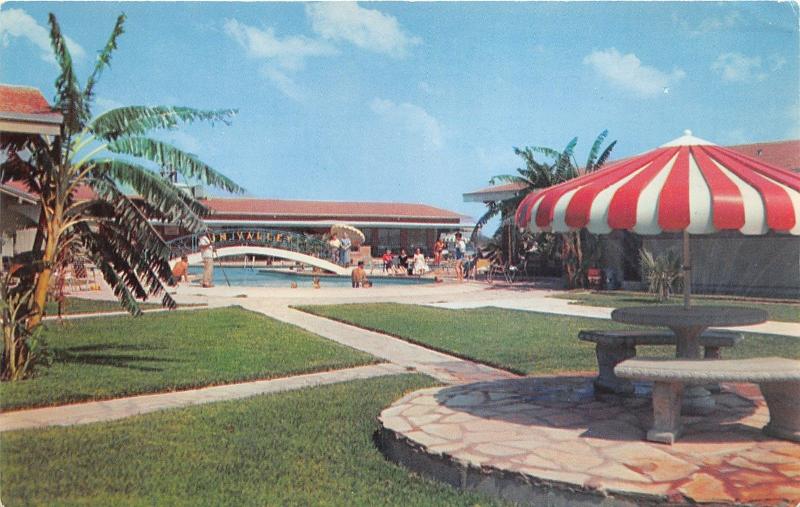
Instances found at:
x=776 y=62
x=288 y=52
x=411 y=118
x=366 y=28
x=282 y=82
x=709 y=25
x=18 y=23
x=736 y=67
x=282 y=56
x=628 y=72
x=715 y=24
x=184 y=141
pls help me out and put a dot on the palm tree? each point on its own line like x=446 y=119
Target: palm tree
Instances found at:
x=538 y=175
x=107 y=154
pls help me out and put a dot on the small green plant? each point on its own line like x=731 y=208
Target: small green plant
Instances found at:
x=23 y=346
x=663 y=273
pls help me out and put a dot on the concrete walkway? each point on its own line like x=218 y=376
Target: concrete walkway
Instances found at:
x=443 y=367
x=401 y=355
x=110 y=410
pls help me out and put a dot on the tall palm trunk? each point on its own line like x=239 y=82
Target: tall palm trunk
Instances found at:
x=44 y=276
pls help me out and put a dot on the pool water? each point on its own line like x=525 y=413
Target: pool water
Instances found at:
x=248 y=277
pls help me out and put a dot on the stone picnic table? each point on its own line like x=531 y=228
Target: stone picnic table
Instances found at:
x=688 y=324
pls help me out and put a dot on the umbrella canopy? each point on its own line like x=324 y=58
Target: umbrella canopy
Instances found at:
x=344 y=230
x=687 y=185
x=450 y=237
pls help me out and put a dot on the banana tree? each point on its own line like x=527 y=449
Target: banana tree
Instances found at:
x=538 y=175
x=107 y=155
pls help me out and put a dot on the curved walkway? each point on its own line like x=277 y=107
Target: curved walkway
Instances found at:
x=402 y=357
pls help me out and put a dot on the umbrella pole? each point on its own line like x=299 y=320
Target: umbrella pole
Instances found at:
x=687 y=271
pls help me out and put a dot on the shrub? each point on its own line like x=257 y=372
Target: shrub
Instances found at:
x=662 y=273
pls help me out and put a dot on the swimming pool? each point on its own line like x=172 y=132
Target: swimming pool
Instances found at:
x=259 y=277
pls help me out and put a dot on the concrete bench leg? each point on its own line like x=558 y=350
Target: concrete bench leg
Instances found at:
x=783 y=401
x=710 y=352
x=666 y=412
x=608 y=356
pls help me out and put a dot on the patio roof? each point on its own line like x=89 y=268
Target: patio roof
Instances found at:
x=24 y=110
x=341 y=211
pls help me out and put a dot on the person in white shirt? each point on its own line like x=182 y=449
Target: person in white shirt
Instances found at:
x=207 y=254
x=420 y=266
x=461 y=249
x=335 y=245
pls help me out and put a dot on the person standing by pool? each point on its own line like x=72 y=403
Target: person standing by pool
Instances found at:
x=207 y=254
x=344 y=251
x=437 y=252
x=335 y=245
x=461 y=248
x=358 y=276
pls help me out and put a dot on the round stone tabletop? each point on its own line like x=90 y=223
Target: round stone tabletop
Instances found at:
x=678 y=316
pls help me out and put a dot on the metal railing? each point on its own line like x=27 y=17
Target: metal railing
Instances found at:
x=253 y=236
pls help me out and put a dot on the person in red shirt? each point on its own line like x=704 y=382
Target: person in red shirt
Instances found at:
x=387 y=261
x=180 y=272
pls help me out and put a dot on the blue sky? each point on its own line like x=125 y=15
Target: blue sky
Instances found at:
x=421 y=102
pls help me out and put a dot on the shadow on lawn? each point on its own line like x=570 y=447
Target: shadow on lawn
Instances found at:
x=92 y=355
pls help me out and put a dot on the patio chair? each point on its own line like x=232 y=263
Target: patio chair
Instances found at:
x=595 y=278
x=482 y=267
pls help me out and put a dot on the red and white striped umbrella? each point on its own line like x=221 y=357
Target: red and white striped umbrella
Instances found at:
x=687 y=185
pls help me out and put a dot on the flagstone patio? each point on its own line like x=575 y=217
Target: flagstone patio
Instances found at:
x=547 y=439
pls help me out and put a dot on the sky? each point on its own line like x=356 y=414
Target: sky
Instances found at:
x=421 y=102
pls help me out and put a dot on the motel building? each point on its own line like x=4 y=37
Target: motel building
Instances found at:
x=766 y=265
x=385 y=225
x=25 y=111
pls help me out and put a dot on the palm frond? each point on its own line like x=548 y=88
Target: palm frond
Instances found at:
x=144 y=254
x=105 y=258
x=138 y=120
x=590 y=160
x=170 y=202
x=103 y=60
x=548 y=152
x=493 y=209
x=564 y=167
x=168 y=156
x=601 y=161
x=69 y=98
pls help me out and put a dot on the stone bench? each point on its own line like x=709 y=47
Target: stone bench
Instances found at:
x=613 y=347
x=778 y=378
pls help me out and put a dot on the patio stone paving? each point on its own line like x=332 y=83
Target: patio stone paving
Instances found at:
x=551 y=433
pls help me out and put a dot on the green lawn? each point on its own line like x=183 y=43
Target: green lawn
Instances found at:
x=75 y=305
x=783 y=311
x=308 y=447
x=520 y=341
x=107 y=357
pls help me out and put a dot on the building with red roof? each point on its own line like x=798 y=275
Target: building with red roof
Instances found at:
x=24 y=110
x=392 y=225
